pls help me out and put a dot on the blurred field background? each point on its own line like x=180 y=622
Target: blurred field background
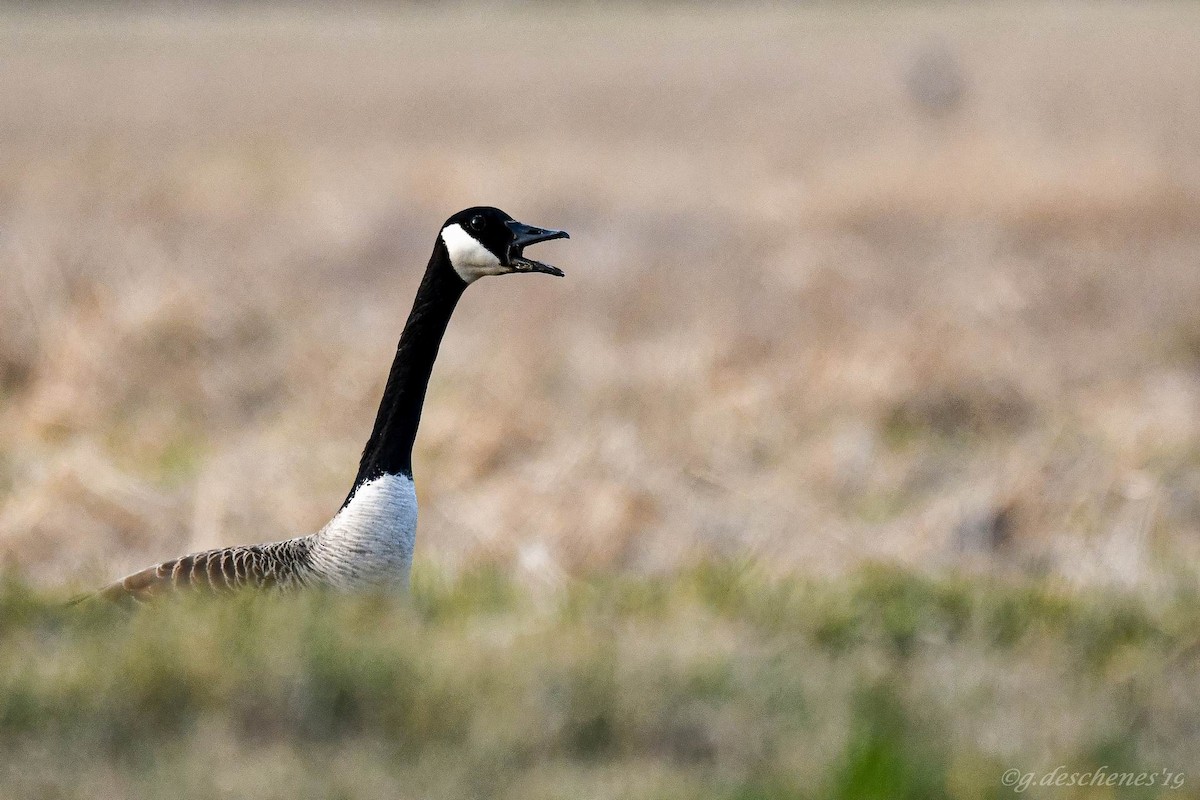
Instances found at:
x=848 y=285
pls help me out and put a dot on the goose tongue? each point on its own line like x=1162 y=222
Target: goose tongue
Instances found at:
x=521 y=264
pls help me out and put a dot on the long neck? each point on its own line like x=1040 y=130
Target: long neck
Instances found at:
x=389 y=450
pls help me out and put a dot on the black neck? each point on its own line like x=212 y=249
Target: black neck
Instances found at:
x=389 y=450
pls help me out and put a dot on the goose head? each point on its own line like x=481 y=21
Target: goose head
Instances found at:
x=483 y=241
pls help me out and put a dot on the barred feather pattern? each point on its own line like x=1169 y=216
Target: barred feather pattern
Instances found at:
x=368 y=544
x=278 y=565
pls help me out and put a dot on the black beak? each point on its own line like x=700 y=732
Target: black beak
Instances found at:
x=525 y=235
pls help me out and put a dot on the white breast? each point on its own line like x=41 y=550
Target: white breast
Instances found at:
x=370 y=541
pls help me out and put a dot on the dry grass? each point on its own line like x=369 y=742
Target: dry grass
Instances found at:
x=911 y=284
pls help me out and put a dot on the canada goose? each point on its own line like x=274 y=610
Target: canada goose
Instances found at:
x=369 y=542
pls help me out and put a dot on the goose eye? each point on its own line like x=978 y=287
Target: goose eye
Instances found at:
x=478 y=223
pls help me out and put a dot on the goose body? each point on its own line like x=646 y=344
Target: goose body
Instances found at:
x=369 y=542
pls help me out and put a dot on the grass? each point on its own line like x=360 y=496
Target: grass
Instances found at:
x=719 y=682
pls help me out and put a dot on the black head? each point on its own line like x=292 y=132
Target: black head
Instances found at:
x=485 y=241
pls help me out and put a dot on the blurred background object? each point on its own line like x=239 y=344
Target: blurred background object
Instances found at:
x=936 y=80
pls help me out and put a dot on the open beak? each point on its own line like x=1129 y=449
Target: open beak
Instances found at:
x=525 y=235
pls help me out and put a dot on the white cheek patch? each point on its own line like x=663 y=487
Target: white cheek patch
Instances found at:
x=470 y=259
